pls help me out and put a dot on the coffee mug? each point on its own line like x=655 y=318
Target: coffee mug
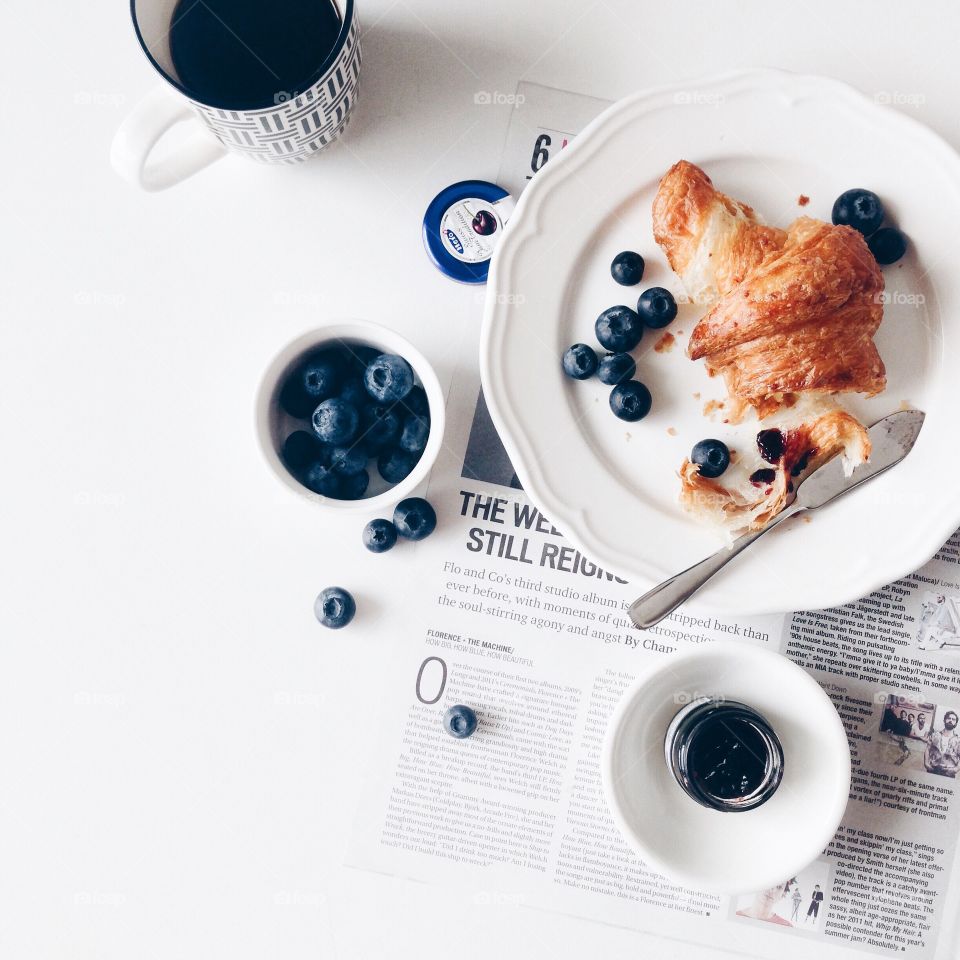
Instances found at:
x=271 y=113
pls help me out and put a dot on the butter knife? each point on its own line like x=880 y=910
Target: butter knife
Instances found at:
x=891 y=438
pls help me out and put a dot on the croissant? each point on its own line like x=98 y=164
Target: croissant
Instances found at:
x=801 y=321
x=711 y=241
x=797 y=309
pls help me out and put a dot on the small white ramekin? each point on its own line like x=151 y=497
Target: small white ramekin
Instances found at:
x=270 y=418
x=727 y=852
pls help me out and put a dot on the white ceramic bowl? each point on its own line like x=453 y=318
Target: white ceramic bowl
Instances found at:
x=727 y=852
x=273 y=425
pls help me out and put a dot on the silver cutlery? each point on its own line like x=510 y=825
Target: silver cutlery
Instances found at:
x=892 y=438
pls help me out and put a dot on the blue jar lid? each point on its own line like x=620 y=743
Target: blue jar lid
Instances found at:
x=462 y=226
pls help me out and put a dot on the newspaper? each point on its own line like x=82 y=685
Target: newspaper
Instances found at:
x=516 y=621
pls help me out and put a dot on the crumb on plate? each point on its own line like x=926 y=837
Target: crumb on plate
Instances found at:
x=665 y=343
x=672 y=431
x=802 y=200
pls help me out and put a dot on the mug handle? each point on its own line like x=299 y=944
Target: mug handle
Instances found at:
x=150 y=119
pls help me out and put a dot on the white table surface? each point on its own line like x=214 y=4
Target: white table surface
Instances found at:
x=182 y=745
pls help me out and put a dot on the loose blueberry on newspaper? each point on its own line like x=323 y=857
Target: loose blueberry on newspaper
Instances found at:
x=460 y=721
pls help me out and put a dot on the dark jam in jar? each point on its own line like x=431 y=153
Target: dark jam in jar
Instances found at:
x=728 y=758
x=724 y=754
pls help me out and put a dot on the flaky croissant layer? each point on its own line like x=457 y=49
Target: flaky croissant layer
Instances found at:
x=795 y=310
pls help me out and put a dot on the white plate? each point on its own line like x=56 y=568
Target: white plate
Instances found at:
x=765 y=137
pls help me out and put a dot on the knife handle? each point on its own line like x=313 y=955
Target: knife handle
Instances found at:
x=663 y=599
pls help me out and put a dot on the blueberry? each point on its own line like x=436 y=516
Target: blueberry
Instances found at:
x=460 y=721
x=347 y=460
x=414 y=518
x=630 y=400
x=860 y=209
x=334 y=607
x=295 y=401
x=619 y=329
x=627 y=268
x=315 y=380
x=887 y=245
x=353 y=486
x=336 y=421
x=388 y=379
x=414 y=434
x=379 y=427
x=711 y=456
x=579 y=361
x=379 y=535
x=656 y=307
x=361 y=357
x=416 y=402
x=300 y=449
x=353 y=391
x=321 y=479
x=395 y=465
x=615 y=368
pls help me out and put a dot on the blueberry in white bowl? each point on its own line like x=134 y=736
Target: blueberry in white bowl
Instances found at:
x=300 y=449
x=887 y=245
x=414 y=518
x=395 y=465
x=354 y=485
x=579 y=361
x=379 y=535
x=614 y=368
x=388 y=378
x=361 y=357
x=460 y=721
x=414 y=433
x=656 y=307
x=618 y=329
x=335 y=421
x=630 y=401
x=860 y=209
x=347 y=460
x=353 y=391
x=323 y=480
x=627 y=268
x=379 y=427
x=711 y=456
x=334 y=607
x=416 y=402
x=316 y=379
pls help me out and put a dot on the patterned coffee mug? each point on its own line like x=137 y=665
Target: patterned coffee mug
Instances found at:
x=295 y=127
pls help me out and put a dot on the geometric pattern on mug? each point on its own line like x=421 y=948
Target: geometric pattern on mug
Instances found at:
x=294 y=130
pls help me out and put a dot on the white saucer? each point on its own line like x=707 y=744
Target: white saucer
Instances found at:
x=707 y=849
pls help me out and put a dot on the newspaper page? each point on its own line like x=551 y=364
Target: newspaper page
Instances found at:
x=516 y=620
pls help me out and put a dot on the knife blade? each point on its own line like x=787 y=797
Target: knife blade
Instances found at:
x=891 y=439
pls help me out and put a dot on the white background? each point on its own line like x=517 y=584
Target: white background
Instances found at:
x=182 y=745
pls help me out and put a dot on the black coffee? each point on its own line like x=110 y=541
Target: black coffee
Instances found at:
x=246 y=54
